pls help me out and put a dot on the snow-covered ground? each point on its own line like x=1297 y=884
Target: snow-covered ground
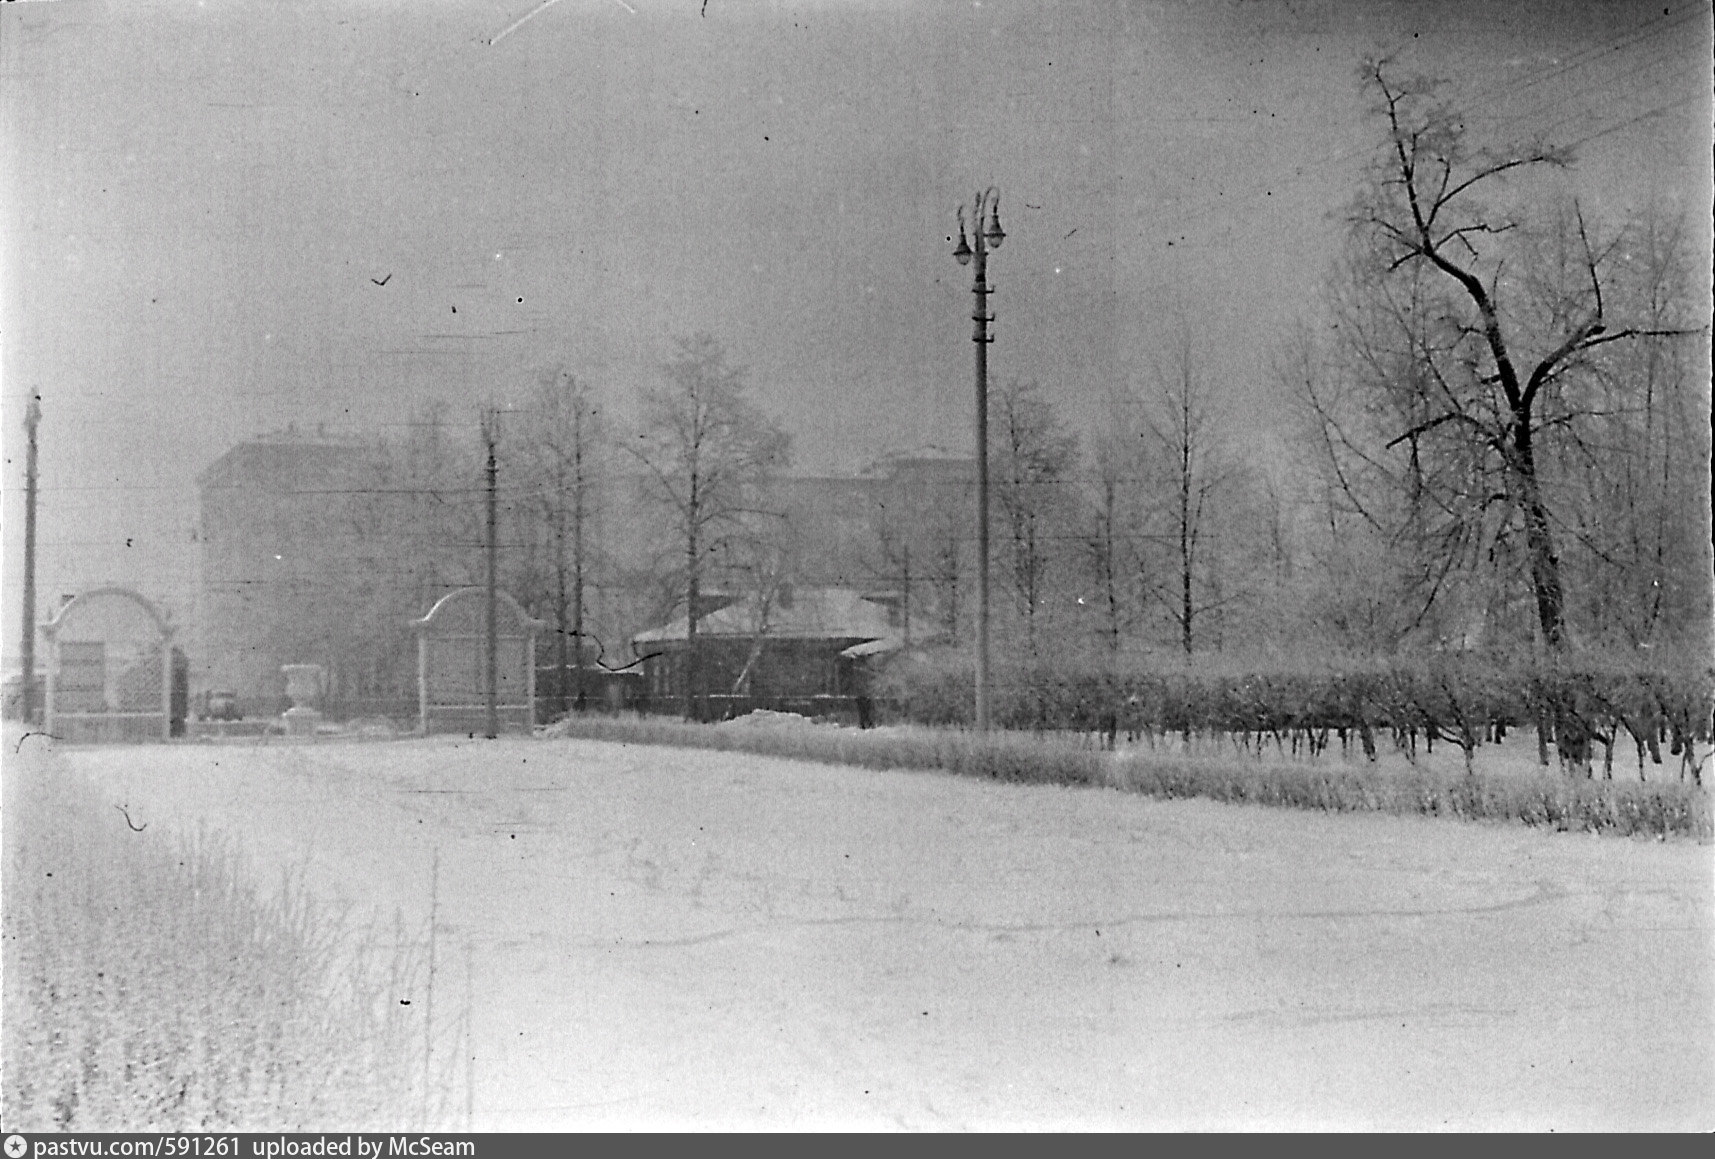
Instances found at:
x=664 y=938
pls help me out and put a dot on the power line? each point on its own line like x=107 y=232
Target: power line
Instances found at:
x=1644 y=116
x=1656 y=26
x=1315 y=169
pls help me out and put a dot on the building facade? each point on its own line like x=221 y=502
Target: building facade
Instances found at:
x=274 y=543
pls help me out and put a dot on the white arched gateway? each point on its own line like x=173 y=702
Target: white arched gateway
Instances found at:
x=110 y=674
x=452 y=663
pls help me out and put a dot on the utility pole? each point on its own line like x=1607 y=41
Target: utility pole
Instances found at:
x=32 y=418
x=905 y=593
x=577 y=552
x=986 y=236
x=490 y=435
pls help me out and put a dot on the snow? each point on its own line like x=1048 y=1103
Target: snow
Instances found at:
x=768 y=718
x=666 y=938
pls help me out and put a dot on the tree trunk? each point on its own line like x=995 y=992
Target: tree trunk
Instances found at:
x=1110 y=580
x=740 y=685
x=560 y=616
x=1571 y=740
x=1539 y=540
x=578 y=578
x=1185 y=608
x=693 y=596
x=905 y=593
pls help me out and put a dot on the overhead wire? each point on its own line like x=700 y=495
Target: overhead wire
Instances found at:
x=1314 y=168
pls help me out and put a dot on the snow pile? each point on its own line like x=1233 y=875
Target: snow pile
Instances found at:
x=768 y=718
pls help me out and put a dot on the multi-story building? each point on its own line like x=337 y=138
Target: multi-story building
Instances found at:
x=270 y=526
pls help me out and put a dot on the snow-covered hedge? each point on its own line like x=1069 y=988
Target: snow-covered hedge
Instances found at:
x=1657 y=808
x=1574 y=704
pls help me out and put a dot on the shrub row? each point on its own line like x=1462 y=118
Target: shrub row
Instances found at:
x=1460 y=699
x=1658 y=808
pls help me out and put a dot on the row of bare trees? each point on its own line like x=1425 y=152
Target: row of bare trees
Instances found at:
x=1501 y=438
x=1173 y=512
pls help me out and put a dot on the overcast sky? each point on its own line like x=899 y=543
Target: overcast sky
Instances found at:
x=197 y=201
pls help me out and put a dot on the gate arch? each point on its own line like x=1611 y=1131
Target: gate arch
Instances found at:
x=452 y=678
x=110 y=672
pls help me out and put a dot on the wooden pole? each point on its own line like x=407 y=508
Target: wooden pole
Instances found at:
x=32 y=419
x=423 y=681
x=166 y=686
x=529 y=679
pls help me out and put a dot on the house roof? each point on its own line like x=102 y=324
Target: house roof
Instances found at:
x=874 y=648
x=810 y=614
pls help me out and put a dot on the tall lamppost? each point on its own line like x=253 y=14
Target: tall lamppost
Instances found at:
x=491 y=435
x=985 y=235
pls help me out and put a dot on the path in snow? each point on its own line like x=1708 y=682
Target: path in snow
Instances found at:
x=668 y=938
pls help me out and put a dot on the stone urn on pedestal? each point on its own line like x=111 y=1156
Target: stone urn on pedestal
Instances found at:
x=304 y=686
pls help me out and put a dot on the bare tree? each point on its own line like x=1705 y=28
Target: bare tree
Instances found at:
x=1429 y=515
x=1628 y=472
x=1105 y=545
x=1034 y=458
x=1116 y=521
x=1491 y=345
x=562 y=447
x=894 y=540
x=1199 y=486
x=706 y=449
x=919 y=529
x=765 y=558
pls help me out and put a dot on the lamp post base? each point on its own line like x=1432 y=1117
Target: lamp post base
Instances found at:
x=304 y=686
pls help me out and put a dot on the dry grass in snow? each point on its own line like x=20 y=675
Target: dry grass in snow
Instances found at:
x=152 y=984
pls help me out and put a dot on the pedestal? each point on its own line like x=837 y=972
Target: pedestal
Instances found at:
x=303 y=685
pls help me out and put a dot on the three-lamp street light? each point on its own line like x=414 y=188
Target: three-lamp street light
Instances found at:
x=985 y=235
